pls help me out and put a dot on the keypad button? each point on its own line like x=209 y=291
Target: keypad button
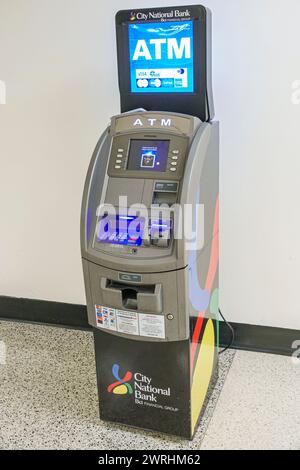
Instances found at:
x=175 y=152
x=118 y=161
x=119 y=156
x=117 y=167
x=120 y=150
x=173 y=169
x=174 y=163
x=174 y=157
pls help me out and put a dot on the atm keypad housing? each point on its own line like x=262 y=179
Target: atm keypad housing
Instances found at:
x=159 y=187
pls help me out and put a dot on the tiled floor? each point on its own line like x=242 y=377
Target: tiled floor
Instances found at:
x=259 y=407
x=48 y=398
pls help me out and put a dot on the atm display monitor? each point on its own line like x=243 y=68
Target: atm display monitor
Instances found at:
x=148 y=155
x=161 y=57
x=164 y=60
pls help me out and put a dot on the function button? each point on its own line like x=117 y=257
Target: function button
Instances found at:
x=174 y=163
x=174 y=157
x=175 y=152
x=117 y=167
x=173 y=169
x=120 y=150
x=118 y=161
x=119 y=156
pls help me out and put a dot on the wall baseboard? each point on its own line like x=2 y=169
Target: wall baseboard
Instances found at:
x=44 y=312
x=247 y=337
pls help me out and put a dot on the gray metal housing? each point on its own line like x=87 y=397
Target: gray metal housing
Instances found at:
x=162 y=277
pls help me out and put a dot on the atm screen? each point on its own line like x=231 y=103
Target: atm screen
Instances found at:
x=148 y=155
x=161 y=57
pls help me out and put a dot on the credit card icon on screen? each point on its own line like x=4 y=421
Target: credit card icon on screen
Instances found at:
x=148 y=158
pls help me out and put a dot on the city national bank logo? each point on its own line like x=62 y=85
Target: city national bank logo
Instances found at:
x=159 y=15
x=142 y=387
x=122 y=386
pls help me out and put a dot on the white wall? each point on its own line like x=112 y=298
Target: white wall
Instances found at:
x=58 y=59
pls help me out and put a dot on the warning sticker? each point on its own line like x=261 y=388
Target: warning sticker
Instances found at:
x=152 y=326
x=130 y=323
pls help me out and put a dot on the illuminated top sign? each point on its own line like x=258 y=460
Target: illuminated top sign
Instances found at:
x=164 y=60
x=161 y=57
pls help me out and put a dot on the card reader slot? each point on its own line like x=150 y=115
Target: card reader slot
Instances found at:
x=144 y=298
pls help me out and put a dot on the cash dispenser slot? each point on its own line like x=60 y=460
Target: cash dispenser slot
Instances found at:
x=147 y=298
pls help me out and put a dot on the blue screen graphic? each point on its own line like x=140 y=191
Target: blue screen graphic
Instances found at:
x=161 y=57
x=120 y=230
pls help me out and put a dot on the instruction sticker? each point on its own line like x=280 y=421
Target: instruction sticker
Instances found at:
x=127 y=322
x=152 y=326
x=130 y=323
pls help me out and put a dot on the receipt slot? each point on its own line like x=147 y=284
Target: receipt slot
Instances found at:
x=149 y=239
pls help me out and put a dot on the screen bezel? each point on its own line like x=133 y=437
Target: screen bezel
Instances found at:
x=196 y=103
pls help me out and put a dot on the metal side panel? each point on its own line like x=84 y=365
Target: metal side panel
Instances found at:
x=191 y=184
x=94 y=187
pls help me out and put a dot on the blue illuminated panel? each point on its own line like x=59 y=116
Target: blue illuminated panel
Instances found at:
x=120 y=230
x=129 y=230
x=161 y=57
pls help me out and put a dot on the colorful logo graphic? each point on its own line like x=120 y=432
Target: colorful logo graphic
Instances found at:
x=121 y=387
x=132 y=17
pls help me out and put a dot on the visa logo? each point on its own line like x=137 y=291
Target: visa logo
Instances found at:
x=156 y=47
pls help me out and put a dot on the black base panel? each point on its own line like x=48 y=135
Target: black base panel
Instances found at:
x=247 y=337
x=164 y=365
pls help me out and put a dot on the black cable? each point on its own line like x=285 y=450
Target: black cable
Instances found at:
x=231 y=330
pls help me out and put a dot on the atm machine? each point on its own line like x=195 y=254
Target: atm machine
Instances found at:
x=150 y=227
